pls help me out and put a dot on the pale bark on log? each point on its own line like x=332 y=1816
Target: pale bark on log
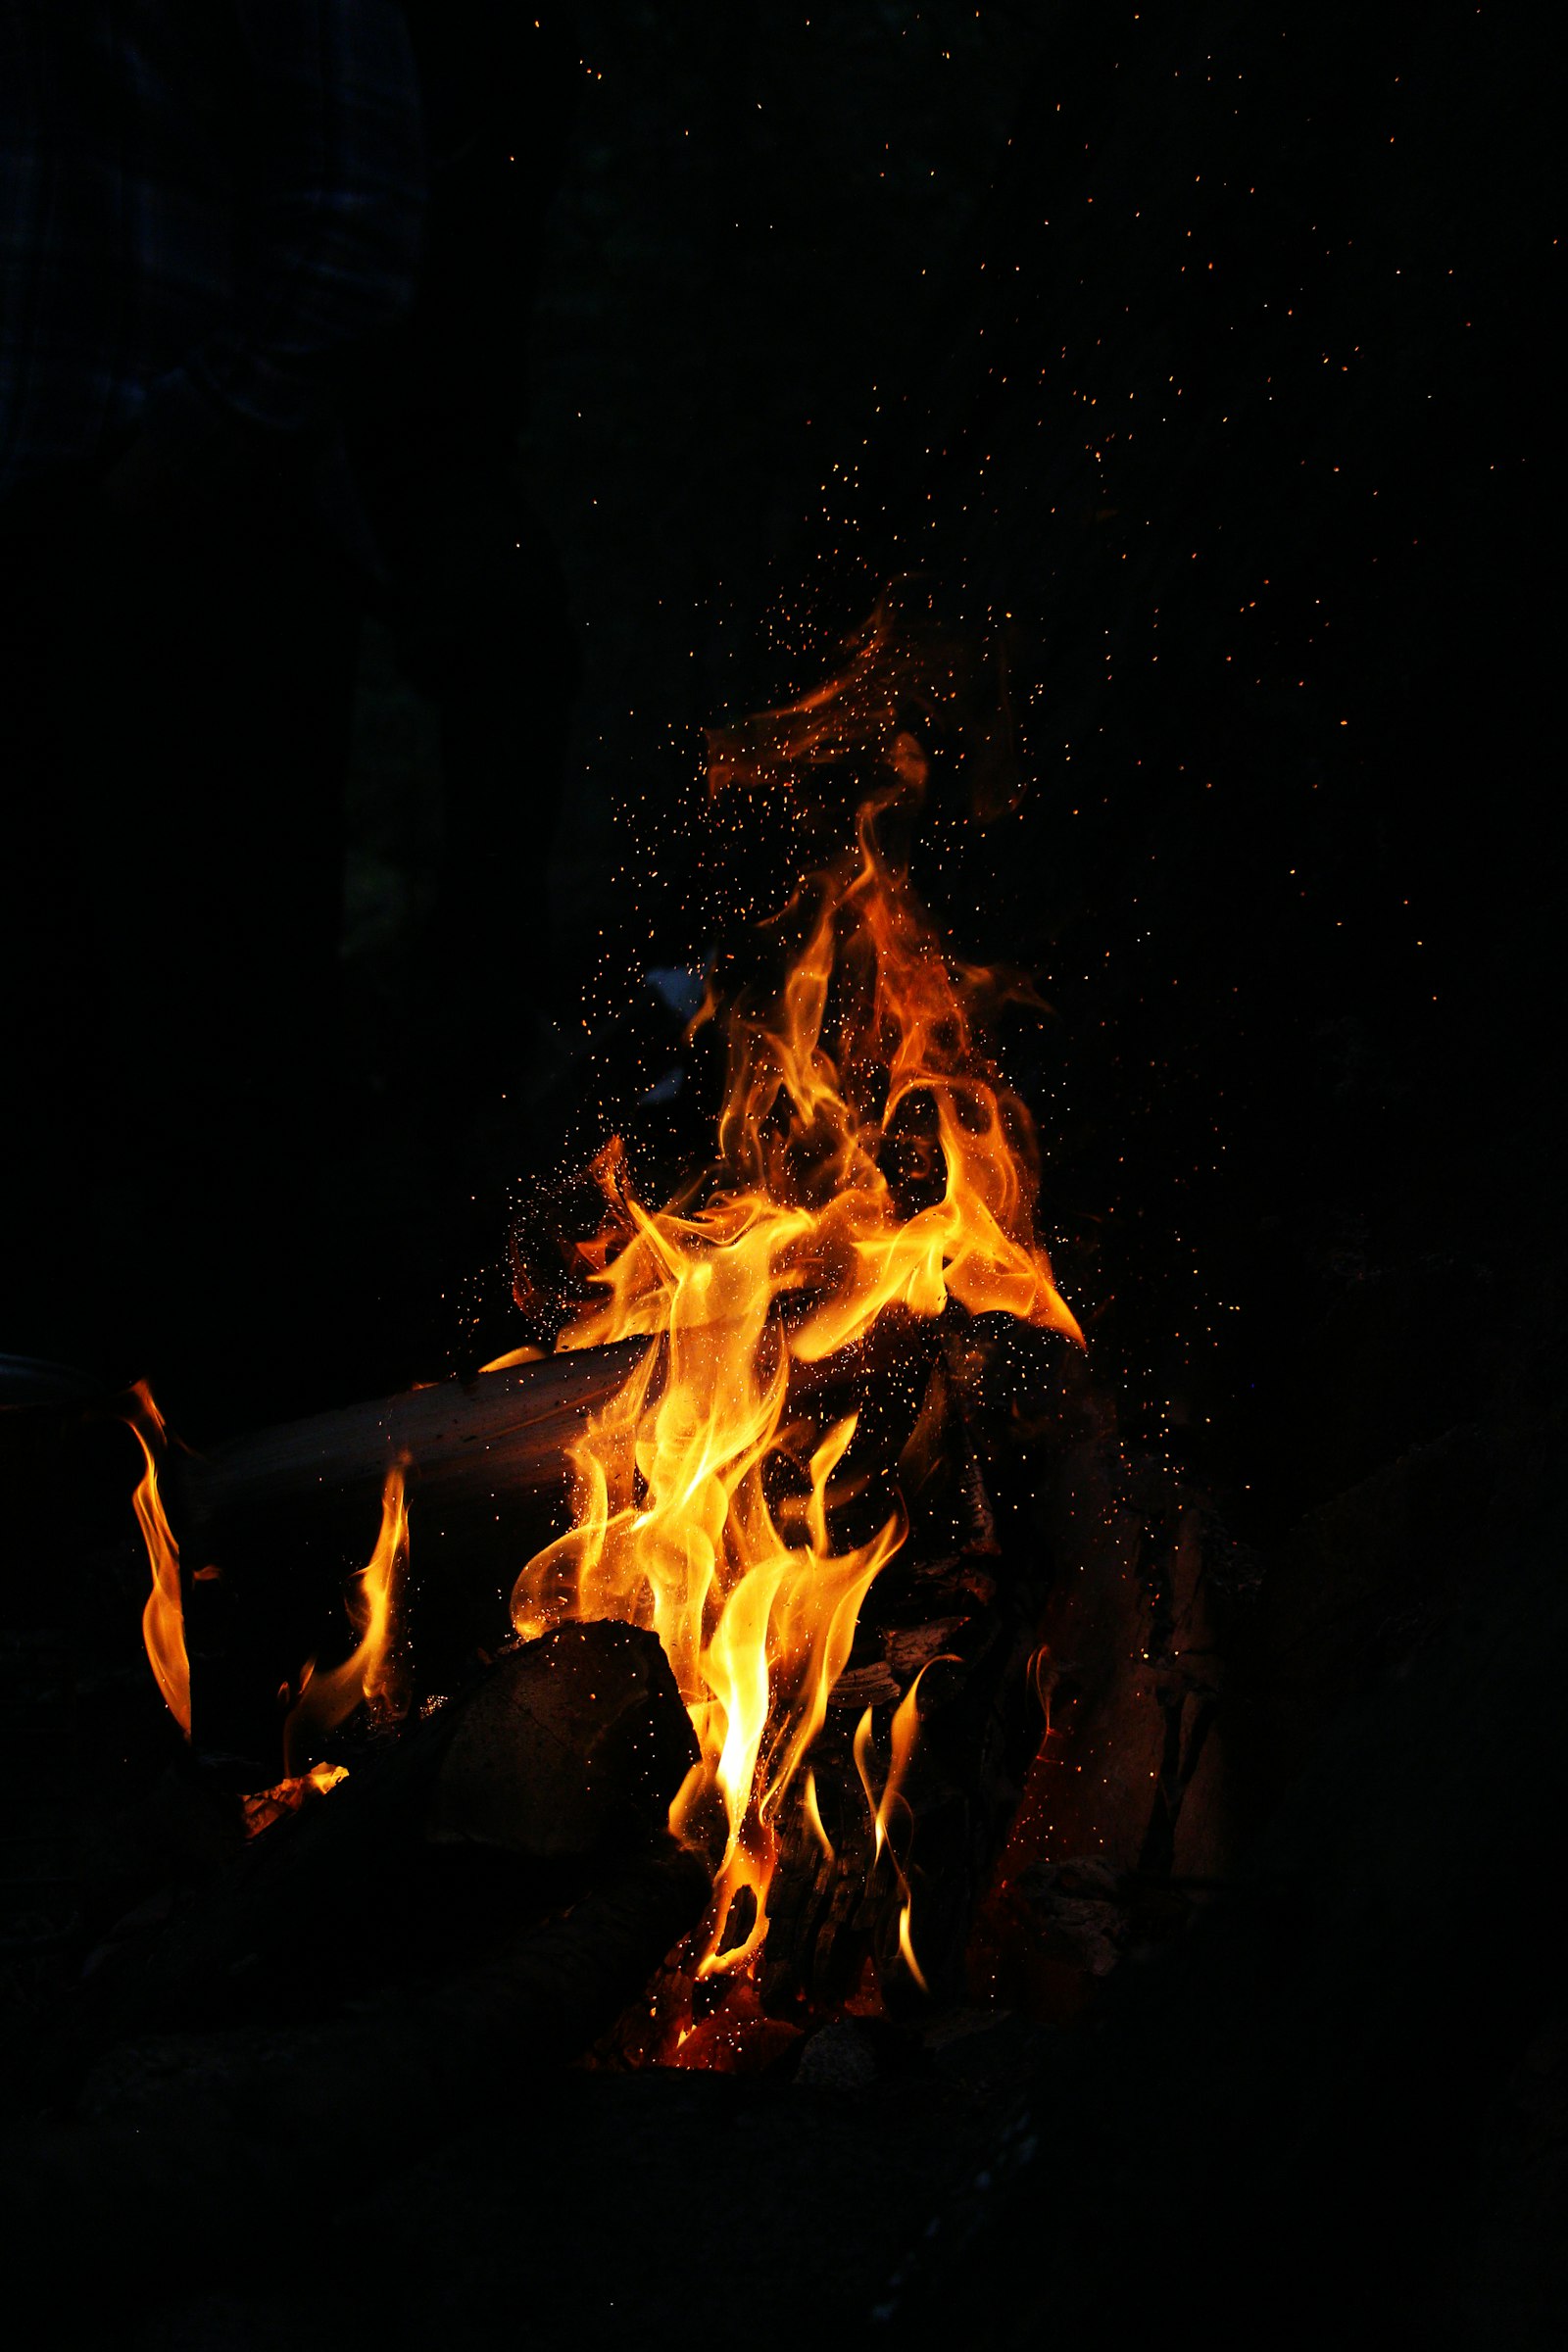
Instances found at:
x=456 y=1437
x=463 y=1442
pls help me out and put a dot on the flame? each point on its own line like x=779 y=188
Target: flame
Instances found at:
x=869 y=1159
x=862 y=1752
x=1041 y=1670
x=906 y=1945
x=862 y=708
x=906 y=1730
x=162 y=1620
x=902 y=672
x=701 y=1508
x=512 y=1355
x=813 y=1813
x=906 y=1727
x=371 y=1672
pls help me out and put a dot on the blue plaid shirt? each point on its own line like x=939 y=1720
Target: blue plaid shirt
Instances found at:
x=208 y=211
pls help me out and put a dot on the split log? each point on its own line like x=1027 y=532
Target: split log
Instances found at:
x=285 y=1515
x=457 y=1438
x=466 y=1441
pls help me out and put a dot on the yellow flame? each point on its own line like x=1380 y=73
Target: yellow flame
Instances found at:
x=698 y=1507
x=162 y=1620
x=862 y=1752
x=369 y=1673
x=906 y=1730
x=813 y=1813
x=907 y=1948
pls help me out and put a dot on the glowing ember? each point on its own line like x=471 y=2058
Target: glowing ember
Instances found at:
x=267 y=1805
x=699 y=1508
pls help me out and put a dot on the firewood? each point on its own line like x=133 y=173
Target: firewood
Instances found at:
x=271 y=1525
x=501 y=1429
x=505 y=1805
x=966 y=1617
x=210 y=2126
x=465 y=1442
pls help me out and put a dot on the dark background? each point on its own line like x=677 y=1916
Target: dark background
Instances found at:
x=1188 y=360
x=1195 y=361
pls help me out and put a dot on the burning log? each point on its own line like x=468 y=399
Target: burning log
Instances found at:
x=463 y=1442
x=870 y=1171
x=912 y=1778
x=544 y=1787
x=413 y=2057
x=412 y=1952
x=268 y=1526
x=504 y=1430
x=928 y=1734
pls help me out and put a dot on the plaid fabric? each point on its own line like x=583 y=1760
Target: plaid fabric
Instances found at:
x=208 y=208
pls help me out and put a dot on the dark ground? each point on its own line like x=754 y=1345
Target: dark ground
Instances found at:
x=1197 y=360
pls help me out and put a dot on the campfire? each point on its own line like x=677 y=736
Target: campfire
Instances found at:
x=768 y=1412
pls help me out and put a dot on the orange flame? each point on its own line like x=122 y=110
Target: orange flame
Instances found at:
x=906 y=1730
x=512 y=1355
x=162 y=1620
x=1041 y=1670
x=902 y=671
x=813 y=1813
x=697 y=1510
x=370 y=1670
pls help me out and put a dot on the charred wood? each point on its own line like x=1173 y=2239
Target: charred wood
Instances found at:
x=959 y=1608
x=235 y=2130
x=450 y=1861
x=418 y=1949
x=271 y=1526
